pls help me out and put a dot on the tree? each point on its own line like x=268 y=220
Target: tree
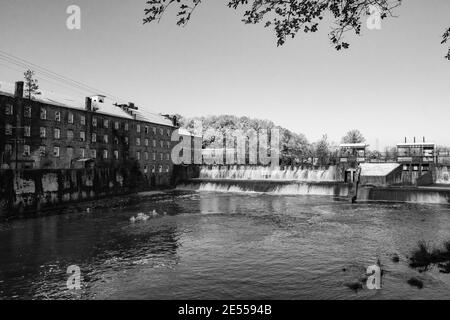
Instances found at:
x=353 y=136
x=287 y=18
x=322 y=150
x=31 y=84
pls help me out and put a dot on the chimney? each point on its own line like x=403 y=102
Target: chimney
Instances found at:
x=406 y=140
x=423 y=139
x=88 y=104
x=18 y=92
x=414 y=139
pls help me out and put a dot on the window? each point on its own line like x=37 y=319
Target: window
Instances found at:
x=167 y=156
x=160 y=168
x=167 y=169
x=162 y=156
x=70 y=152
x=43 y=114
x=168 y=144
x=27 y=112
x=153 y=169
x=8 y=148
x=83 y=120
x=27 y=131
x=116 y=125
x=168 y=132
x=146 y=130
x=58 y=116
x=105 y=138
x=42 y=151
x=146 y=156
x=94 y=137
x=26 y=150
x=161 y=131
x=94 y=121
x=145 y=169
x=82 y=136
x=42 y=132
x=154 y=130
x=116 y=140
x=116 y=154
x=146 y=142
x=138 y=128
x=138 y=141
x=138 y=155
x=82 y=152
x=106 y=123
x=154 y=143
x=126 y=126
x=154 y=156
x=57 y=134
x=8 y=129
x=94 y=154
x=105 y=154
x=70 y=118
x=56 y=152
x=69 y=134
x=161 y=143
x=9 y=109
x=126 y=140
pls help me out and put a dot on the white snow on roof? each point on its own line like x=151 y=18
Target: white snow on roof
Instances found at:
x=185 y=132
x=107 y=107
x=353 y=145
x=378 y=169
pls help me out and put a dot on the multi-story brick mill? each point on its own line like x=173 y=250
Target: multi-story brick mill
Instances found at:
x=51 y=131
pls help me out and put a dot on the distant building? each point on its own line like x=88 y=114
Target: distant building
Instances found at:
x=352 y=152
x=53 y=131
x=417 y=156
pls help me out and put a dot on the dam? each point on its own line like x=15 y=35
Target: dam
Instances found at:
x=383 y=182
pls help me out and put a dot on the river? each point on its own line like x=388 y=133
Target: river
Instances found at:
x=221 y=246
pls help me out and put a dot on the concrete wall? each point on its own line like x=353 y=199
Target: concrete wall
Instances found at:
x=25 y=192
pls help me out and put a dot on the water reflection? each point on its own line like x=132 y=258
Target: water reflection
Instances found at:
x=222 y=245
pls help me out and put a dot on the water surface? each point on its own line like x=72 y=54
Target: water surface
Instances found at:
x=222 y=246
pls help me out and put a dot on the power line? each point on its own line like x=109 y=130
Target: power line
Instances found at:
x=46 y=73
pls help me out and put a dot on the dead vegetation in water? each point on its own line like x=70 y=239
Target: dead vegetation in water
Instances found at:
x=424 y=256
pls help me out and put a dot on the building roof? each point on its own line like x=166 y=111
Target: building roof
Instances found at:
x=416 y=144
x=353 y=145
x=378 y=169
x=185 y=132
x=108 y=107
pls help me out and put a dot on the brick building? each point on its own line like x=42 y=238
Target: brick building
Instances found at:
x=53 y=131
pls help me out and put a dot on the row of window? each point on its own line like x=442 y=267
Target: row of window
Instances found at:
x=94 y=138
x=95 y=120
x=82 y=153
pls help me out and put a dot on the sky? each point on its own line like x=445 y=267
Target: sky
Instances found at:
x=392 y=83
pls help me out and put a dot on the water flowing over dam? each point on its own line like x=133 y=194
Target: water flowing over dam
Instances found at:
x=267 y=173
x=287 y=181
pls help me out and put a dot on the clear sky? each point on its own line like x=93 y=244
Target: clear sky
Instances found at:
x=391 y=83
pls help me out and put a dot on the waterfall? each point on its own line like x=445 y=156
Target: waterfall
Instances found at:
x=442 y=175
x=266 y=173
x=270 y=187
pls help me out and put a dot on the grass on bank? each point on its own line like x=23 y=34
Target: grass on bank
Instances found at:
x=424 y=256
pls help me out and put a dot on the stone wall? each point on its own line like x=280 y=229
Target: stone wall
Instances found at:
x=25 y=192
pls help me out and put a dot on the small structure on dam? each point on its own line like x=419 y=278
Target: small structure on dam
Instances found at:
x=380 y=174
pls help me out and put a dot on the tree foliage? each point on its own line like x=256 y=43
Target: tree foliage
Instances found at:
x=353 y=136
x=31 y=84
x=288 y=17
x=293 y=146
